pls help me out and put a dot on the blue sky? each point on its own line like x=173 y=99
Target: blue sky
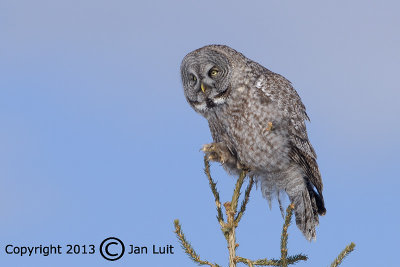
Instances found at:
x=97 y=139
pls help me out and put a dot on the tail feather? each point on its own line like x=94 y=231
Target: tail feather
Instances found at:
x=308 y=205
x=306 y=217
x=318 y=198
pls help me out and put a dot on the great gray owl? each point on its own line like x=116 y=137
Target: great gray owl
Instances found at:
x=257 y=121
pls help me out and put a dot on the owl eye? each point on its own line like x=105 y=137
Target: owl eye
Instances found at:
x=213 y=72
x=193 y=78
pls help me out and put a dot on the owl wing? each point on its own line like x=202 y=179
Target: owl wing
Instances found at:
x=279 y=90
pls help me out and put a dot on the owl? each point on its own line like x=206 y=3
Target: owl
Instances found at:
x=257 y=122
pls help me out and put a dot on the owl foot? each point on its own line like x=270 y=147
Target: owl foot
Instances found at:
x=217 y=152
x=242 y=167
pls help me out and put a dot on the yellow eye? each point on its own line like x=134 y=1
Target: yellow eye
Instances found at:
x=193 y=78
x=214 y=72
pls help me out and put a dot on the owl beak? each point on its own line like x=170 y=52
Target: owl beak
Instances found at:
x=203 y=88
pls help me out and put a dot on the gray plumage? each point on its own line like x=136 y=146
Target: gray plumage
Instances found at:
x=257 y=121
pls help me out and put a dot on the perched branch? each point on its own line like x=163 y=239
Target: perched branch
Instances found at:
x=231 y=210
x=229 y=232
x=188 y=248
x=236 y=192
x=213 y=185
x=245 y=201
x=229 y=229
x=343 y=254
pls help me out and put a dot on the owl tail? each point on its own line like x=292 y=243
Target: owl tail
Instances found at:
x=308 y=204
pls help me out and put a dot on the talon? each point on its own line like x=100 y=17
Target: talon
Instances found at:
x=208 y=148
x=215 y=152
x=241 y=166
x=213 y=157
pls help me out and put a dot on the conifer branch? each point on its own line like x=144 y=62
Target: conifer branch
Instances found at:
x=272 y=262
x=284 y=236
x=229 y=229
x=245 y=201
x=188 y=248
x=343 y=254
x=236 y=192
x=262 y=262
x=230 y=233
x=213 y=185
x=296 y=258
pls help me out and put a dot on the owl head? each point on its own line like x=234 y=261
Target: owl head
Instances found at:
x=206 y=76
